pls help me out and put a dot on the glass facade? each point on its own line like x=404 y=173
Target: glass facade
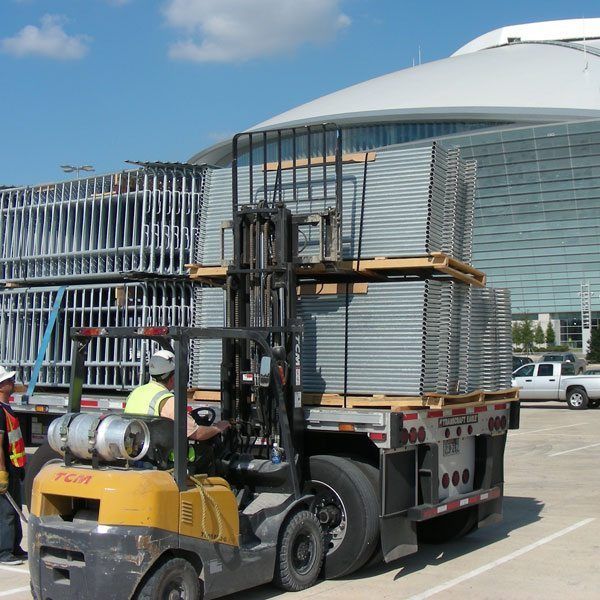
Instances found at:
x=537 y=215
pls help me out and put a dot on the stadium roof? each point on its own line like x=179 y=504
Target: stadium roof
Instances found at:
x=535 y=77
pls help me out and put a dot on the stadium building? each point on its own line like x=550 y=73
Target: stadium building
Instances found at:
x=524 y=101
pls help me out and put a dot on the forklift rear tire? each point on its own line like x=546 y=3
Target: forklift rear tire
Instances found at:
x=42 y=456
x=347 y=507
x=300 y=553
x=175 y=578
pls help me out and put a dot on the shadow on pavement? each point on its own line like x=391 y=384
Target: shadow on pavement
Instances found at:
x=518 y=512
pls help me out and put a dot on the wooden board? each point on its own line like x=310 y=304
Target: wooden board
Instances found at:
x=331 y=289
x=317 y=161
x=367 y=269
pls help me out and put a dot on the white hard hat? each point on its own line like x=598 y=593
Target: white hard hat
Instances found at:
x=4 y=374
x=162 y=363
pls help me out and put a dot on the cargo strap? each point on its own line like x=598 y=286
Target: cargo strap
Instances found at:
x=44 y=345
x=358 y=257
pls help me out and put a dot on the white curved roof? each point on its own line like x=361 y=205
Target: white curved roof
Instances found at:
x=565 y=30
x=521 y=81
x=531 y=82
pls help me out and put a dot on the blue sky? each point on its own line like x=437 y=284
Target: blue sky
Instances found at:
x=101 y=81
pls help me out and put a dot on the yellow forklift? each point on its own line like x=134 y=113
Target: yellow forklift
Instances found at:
x=128 y=512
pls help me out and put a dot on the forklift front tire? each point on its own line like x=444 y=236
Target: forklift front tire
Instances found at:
x=300 y=553
x=175 y=578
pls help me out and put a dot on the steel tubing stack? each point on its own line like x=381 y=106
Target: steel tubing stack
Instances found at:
x=130 y=233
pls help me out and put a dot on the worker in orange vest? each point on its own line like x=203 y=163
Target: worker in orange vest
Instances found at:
x=12 y=461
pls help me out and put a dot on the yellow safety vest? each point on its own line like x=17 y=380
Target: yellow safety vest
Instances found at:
x=147 y=399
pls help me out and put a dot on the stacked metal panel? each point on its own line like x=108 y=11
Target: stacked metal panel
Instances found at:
x=490 y=347
x=112 y=364
x=415 y=202
x=404 y=338
x=137 y=221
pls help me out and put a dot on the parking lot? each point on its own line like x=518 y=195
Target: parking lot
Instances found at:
x=546 y=545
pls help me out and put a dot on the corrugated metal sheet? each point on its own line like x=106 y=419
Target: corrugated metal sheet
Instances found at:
x=404 y=338
x=415 y=203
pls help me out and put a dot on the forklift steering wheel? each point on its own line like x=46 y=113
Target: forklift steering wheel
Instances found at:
x=205 y=420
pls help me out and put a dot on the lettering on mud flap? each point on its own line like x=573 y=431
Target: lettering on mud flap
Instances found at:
x=72 y=478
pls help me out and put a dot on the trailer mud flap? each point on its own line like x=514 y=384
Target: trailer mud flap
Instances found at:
x=398 y=537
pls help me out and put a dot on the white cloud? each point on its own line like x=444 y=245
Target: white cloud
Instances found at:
x=49 y=40
x=238 y=30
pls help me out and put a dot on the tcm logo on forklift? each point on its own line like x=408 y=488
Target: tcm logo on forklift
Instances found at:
x=72 y=478
x=461 y=420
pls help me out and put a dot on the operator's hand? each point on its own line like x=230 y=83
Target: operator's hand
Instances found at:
x=3 y=482
x=222 y=425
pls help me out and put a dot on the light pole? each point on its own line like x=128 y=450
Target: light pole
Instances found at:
x=73 y=168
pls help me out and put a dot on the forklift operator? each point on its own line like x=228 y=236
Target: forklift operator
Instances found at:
x=156 y=398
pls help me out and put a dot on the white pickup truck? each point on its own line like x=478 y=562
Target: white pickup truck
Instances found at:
x=557 y=381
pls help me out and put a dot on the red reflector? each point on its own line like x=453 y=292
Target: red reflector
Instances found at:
x=458 y=431
x=422 y=434
x=455 y=478
x=404 y=436
x=497 y=423
x=479 y=409
x=499 y=406
x=378 y=437
x=410 y=416
x=503 y=422
x=412 y=436
x=470 y=429
x=491 y=423
x=465 y=476
x=92 y=331
x=153 y=330
x=445 y=480
x=281 y=371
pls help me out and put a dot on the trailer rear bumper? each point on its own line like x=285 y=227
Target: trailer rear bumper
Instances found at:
x=423 y=512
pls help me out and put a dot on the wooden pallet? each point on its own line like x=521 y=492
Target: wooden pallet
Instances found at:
x=368 y=269
x=395 y=403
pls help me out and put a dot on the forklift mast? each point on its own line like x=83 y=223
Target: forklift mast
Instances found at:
x=271 y=172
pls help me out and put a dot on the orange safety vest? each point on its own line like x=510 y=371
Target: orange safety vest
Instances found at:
x=16 y=444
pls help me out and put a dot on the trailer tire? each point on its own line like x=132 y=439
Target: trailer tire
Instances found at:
x=372 y=473
x=577 y=398
x=300 y=552
x=447 y=527
x=173 y=575
x=594 y=403
x=344 y=493
x=42 y=456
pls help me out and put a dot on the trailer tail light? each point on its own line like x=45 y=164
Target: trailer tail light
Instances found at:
x=421 y=434
x=378 y=436
x=491 y=423
x=497 y=423
x=346 y=427
x=455 y=478
x=470 y=429
x=92 y=331
x=153 y=330
x=503 y=422
x=445 y=480
x=404 y=436
x=458 y=432
x=447 y=433
x=412 y=435
x=465 y=476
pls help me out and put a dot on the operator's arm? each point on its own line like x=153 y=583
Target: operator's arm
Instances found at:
x=196 y=432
